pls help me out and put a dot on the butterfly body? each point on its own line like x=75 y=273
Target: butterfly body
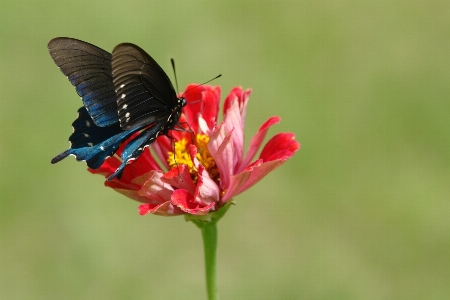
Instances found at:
x=123 y=93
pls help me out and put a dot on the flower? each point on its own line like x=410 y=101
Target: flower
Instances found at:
x=206 y=163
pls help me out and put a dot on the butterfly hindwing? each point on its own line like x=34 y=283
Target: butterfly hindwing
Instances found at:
x=145 y=94
x=134 y=148
x=92 y=143
x=88 y=68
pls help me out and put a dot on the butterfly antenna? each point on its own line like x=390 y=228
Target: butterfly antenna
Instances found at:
x=220 y=75
x=174 y=72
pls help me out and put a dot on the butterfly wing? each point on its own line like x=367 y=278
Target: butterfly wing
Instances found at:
x=145 y=94
x=136 y=146
x=92 y=143
x=129 y=80
x=88 y=68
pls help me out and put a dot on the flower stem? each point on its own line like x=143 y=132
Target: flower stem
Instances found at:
x=207 y=224
x=209 y=234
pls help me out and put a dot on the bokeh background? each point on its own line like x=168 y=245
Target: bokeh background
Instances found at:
x=360 y=212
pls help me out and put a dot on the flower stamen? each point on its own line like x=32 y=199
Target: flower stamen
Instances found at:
x=182 y=156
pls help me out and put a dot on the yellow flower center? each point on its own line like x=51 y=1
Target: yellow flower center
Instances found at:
x=182 y=156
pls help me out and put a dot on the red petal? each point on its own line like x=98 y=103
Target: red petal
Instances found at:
x=162 y=146
x=210 y=111
x=108 y=167
x=204 y=100
x=144 y=164
x=279 y=149
x=179 y=178
x=130 y=188
x=241 y=95
x=281 y=146
x=185 y=201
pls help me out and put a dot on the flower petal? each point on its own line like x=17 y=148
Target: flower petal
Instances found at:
x=210 y=111
x=165 y=209
x=204 y=100
x=155 y=190
x=207 y=191
x=108 y=167
x=241 y=96
x=256 y=141
x=180 y=178
x=221 y=148
x=279 y=149
x=241 y=182
x=162 y=146
x=129 y=188
x=185 y=201
x=234 y=123
x=281 y=146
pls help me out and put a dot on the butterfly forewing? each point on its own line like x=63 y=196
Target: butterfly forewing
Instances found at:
x=145 y=94
x=88 y=68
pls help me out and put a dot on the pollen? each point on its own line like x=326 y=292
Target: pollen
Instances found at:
x=182 y=156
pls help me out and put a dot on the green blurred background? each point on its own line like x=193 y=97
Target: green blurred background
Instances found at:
x=360 y=212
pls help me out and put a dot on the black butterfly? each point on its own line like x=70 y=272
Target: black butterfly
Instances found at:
x=123 y=93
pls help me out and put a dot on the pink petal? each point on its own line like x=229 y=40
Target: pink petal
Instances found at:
x=241 y=182
x=221 y=148
x=241 y=96
x=155 y=190
x=132 y=194
x=164 y=209
x=203 y=126
x=193 y=154
x=207 y=190
x=233 y=122
x=256 y=142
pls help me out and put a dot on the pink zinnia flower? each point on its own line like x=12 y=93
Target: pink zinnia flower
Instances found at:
x=208 y=167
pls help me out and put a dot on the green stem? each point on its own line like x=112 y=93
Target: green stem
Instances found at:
x=207 y=224
x=209 y=234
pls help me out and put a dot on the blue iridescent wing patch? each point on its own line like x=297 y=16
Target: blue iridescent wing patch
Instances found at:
x=92 y=143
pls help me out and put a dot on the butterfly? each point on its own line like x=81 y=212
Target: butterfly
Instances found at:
x=124 y=93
